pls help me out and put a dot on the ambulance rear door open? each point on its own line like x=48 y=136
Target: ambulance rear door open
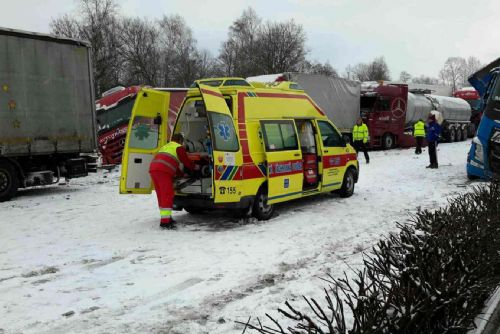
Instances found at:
x=227 y=157
x=284 y=160
x=147 y=132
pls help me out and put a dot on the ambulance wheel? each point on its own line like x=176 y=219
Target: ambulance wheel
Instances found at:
x=348 y=184
x=387 y=141
x=9 y=182
x=193 y=211
x=261 y=209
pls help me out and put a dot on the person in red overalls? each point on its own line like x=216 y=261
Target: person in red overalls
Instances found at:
x=166 y=165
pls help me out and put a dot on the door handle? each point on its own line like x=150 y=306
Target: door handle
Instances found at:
x=326 y=151
x=296 y=155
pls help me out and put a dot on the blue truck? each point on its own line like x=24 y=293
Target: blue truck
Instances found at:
x=483 y=160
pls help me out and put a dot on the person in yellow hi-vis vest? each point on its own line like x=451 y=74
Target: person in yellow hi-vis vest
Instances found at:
x=166 y=165
x=419 y=134
x=360 y=138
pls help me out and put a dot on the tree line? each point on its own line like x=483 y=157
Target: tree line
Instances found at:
x=164 y=53
x=455 y=72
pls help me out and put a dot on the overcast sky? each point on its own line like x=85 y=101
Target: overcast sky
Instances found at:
x=416 y=36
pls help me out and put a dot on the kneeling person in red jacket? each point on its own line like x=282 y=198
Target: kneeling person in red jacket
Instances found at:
x=166 y=165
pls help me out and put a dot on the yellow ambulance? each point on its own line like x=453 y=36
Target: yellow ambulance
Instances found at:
x=256 y=146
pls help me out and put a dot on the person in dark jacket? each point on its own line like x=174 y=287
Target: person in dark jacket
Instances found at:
x=432 y=135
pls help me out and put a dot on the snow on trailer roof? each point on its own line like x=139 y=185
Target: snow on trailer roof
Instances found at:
x=266 y=78
x=43 y=37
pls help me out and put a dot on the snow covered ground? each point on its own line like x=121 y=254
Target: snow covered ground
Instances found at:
x=99 y=257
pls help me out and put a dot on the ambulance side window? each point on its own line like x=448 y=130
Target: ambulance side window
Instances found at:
x=329 y=135
x=280 y=136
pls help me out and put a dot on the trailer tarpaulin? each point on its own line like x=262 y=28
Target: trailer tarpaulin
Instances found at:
x=338 y=98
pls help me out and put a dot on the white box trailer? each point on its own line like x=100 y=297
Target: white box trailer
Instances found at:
x=47 y=110
x=338 y=98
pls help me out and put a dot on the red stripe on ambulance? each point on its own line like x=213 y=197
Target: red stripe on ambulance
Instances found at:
x=330 y=161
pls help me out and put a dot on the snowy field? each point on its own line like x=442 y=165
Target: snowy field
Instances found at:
x=99 y=257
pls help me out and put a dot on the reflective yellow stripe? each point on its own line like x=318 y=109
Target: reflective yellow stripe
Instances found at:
x=165 y=213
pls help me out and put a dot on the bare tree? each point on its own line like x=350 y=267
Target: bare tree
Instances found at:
x=179 y=53
x=348 y=73
x=140 y=51
x=207 y=65
x=238 y=53
x=404 y=76
x=452 y=73
x=472 y=65
x=315 y=67
x=375 y=70
x=422 y=79
x=281 y=47
x=96 y=22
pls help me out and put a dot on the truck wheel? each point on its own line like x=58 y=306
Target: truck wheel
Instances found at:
x=465 y=133
x=458 y=134
x=471 y=130
x=347 y=188
x=387 y=141
x=261 y=209
x=452 y=135
x=9 y=182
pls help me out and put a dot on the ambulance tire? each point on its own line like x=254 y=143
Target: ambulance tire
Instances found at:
x=262 y=210
x=347 y=188
x=9 y=181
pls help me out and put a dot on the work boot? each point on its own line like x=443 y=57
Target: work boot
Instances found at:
x=168 y=226
x=435 y=166
x=430 y=166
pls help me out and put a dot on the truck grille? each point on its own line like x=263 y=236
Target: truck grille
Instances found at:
x=494 y=152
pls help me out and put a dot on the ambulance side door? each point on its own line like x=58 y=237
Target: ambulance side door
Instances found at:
x=332 y=155
x=284 y=160
x=227 y=156
x=147 y=132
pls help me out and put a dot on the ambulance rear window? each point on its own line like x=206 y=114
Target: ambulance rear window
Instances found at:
x=224 y=135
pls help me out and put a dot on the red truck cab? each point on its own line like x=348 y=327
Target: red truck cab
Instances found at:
x=472 y=96
x=383 y=109
x=113 y=114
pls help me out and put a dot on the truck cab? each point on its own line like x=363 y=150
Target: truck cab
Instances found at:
x=483 y=160
x=383 y=109
x=471 y=95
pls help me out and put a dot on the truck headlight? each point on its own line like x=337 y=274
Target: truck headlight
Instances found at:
x=478 y=150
